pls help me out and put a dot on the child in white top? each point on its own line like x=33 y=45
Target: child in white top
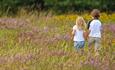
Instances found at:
x=78 y=33
x=95 y=31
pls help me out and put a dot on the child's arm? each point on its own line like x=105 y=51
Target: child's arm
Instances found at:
x=86 y=34
x=73 y=33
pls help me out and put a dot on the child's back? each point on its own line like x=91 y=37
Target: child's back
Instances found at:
x=78 y=32
x=95 y=28
x=95 y=31
x=78 y=36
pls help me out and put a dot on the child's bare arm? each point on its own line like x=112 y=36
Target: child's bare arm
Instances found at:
x=73 y=33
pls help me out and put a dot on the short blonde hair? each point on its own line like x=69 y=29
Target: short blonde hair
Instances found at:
x=80 y=22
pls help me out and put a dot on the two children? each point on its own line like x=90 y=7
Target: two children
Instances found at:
x=93 y=31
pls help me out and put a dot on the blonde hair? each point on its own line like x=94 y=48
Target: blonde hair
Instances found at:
x=80 y=22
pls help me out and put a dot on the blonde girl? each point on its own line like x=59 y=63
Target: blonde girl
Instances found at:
x=78 y=33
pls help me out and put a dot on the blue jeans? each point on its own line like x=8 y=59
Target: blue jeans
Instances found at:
x=79 y=44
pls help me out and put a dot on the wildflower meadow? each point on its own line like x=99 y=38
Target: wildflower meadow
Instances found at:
x=42 y=41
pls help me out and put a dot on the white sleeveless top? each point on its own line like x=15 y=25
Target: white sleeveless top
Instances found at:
x=78 y=34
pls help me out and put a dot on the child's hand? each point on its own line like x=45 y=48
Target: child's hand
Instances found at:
x=85 y=34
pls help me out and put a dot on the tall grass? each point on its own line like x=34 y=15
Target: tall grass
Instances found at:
x=43 y=42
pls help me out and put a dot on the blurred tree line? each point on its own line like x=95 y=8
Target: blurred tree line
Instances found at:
x=12 y=6
x=80 y=5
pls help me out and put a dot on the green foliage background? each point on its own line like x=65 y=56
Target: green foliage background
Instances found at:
x=13 y=6
x=80 y=4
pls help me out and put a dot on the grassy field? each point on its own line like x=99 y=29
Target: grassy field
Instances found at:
x=32 y=41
